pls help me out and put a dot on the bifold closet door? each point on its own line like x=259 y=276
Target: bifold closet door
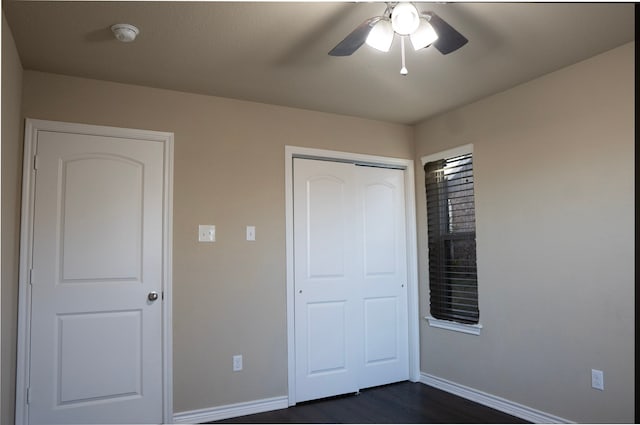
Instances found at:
x=349 y=271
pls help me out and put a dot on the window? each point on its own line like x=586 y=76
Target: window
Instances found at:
x=451 y=227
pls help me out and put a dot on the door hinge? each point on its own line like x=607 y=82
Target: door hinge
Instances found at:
x=162 y=295
x=30 y=276
x=35 y=162
x=28 y=395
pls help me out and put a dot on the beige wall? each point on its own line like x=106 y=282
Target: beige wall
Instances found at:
x=229 y=297
x=11 y=189
x=554 y=166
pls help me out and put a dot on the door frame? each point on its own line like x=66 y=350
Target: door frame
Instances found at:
x=413 y=315
x=32 y=127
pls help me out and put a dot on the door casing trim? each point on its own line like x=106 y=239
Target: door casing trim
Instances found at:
x=407 y=166
x=32 y=127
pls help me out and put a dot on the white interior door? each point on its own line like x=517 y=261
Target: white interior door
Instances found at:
x=96 y=333
x=351 y=328
x=326 y=279
x=384 y=276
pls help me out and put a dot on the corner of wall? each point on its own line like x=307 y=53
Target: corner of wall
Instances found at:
x=11 y=171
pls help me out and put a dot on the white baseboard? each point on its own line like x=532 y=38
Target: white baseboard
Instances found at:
x=495 y=402
x=231 y=410
x=275 y=403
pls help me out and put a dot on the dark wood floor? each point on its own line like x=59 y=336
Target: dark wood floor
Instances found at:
x=405 y=403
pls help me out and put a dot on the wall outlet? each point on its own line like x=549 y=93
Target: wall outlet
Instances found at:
x=597 y=379
x=237 y=362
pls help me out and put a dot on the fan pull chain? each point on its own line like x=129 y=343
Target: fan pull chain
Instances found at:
x=403 y=70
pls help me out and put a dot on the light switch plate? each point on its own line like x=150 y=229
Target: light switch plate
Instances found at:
x=597 y=379
x=206 y=233
x=237 y=362
x=251 y=233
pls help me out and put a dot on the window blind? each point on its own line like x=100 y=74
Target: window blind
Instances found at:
x=451 y=226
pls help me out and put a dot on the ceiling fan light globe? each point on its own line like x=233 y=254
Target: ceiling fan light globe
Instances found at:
x=405 y=18
x=381 y=36
x=424 y=35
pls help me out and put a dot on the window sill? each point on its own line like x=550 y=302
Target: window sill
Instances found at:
x=454 y=326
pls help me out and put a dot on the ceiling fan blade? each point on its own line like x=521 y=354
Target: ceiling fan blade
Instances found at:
x=449 y=39
x=353 y=41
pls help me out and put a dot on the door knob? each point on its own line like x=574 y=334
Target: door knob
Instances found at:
x=152 y=296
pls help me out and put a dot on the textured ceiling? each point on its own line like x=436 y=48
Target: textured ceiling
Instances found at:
x=276 y=52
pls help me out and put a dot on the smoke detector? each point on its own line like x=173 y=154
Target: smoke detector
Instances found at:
x=125 y=32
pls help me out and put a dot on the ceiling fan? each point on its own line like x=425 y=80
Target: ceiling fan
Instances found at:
x=402 y=18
